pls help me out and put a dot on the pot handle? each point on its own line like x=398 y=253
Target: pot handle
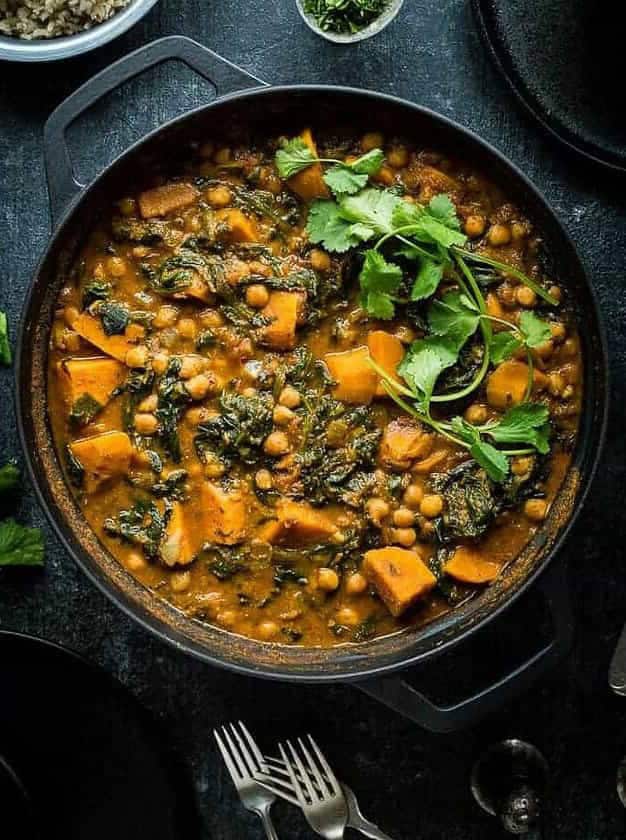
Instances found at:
x=399 y=695
x=63 y=186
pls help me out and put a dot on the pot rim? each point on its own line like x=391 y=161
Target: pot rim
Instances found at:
x=358 y=668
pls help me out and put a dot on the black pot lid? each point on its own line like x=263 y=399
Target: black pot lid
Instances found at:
x=566 y=61
x=79 y=757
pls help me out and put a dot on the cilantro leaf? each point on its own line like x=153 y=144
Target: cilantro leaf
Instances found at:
x=5 y=347
x=20 y=545
x=325 y=225
x=425 y=359
x=455 y=317
x=343 y=180
x=442 y=208
x=525 y=423
x=369 y=163
x=534 y=330
x=436 y=224
x=379 y=279
x=372 y=208
x=428 y=280
x=494 y=462
x=293 y=157
x=503 y=345
x=9 y=477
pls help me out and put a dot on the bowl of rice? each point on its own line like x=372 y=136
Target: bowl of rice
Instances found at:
x=47 y=30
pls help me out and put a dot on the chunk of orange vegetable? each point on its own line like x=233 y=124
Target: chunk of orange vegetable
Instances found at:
x=283 y=309
x=309 y=183
x=102 y=457
x=237 y=226
x=469 y=566
x=165 y=199
x=387 y=351
x=177 y=547
x=96 y=376
x=297 y=523
x=399 y=576
x=90 y=328
x=507 y=384
x=219 y=515
x=356 y=379
x=403 y=442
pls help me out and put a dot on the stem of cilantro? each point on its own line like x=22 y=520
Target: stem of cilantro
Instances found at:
x=397 y=234
x=506 y=269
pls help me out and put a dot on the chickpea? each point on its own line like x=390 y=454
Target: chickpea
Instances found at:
x=346 y=615
x=137 y=357
x=525 y=297
x=199 y=386
x=146 y=424
x=320 y=261
x=521 y=465
x=385 y=175
x=519 y=231
x=195 y=416
x=166 y=317
x=257 y=296
x=127 y=206
x=214 y=470
x=403 y=517
x=403 y=536
x=140 y=251
x=282 y=415
x=135 y=561
x=149 y=404
x=372 y=140
x=180 y=581
x=267 y=629
x=222 y=155
x=276 y=444
x=476 y=414
x=191 y=366
x=499 y=235
x=568 y=392
x=506 y=295
x=431 y=506
x=558 y=331
x=135 y=332
x=356 y=584
x=545 y=349
x=327 y=579
x=263 y=480
x=556 y=293
x=398 y=157
x=569 y=347
x=249 y=392
x=116 y=266
x=475 y=226
x=219 y=196
x=536 y=509
x=187 y=328
x=289 y=397
x=226 y=617
x=377 y=510
x=211 y=318
x=70 y=315
x=413 y=495
x=160 y=362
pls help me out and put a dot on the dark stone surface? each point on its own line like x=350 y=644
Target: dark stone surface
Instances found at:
x=413 y=783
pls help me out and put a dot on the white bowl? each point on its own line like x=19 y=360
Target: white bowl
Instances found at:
x=66 y=46
x=374 y=28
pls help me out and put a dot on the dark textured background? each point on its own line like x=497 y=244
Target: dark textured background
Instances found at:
x=414 y=783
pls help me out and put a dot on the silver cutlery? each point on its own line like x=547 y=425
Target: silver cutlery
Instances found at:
x=243 y=759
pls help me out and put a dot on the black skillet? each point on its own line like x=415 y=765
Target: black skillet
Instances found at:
x=245 y=103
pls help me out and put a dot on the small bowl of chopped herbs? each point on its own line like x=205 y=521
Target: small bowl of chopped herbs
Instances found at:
x=348 y=21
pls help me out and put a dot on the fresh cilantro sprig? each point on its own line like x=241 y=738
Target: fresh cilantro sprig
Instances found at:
x=19 y=544
x=531 y=332
x=5 y=347
x=342 y=178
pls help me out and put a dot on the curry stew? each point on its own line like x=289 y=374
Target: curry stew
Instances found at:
x=248 y=414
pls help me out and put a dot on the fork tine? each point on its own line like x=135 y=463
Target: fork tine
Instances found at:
x=244 y=752
x=330 y=776
x=314 y=770
x=277 y=787
x=304 y=776
x=230 y=764
x=241 y=767
x=253 y=745
x=297 y=785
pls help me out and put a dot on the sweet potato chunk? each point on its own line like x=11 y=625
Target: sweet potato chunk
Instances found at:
x=91 y=330
x=97 y=377
x=356 y=378
x=237 y=226
x=507 y=384
x=309 y=183
x=163 y=200
x=387 y=351
x=177 y=548
x=221 y=514
x=102 y=457
x=400 y=577
x=403 y=442
x=282 y=308
x=297 y=523
x=469 y=566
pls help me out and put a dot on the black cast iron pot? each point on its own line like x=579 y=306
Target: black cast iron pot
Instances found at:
x=246 y=103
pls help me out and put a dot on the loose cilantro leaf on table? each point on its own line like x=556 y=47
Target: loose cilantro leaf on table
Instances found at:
x=379 y=281
x=9 y=477
x=5 y=347
x=20 y=545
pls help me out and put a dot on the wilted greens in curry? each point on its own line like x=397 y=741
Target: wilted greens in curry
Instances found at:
x=315 y=396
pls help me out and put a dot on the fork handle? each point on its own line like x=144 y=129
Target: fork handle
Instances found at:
x=268 y=825
x=367 y=828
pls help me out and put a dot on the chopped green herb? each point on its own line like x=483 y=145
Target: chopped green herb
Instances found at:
x=9 y=477
x=20 y=545
x=5 y=347
x=115 y=317
x=84 y=409
x=345 y=17
x=379 y=282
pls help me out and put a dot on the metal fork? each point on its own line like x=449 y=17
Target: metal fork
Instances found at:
x=243 y=759
x=317 y=790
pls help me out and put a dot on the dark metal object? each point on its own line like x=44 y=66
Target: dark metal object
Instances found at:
x=509 y=781
x=617 y=669
x=621 y=782
x=564 y=61
x=256 y=110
